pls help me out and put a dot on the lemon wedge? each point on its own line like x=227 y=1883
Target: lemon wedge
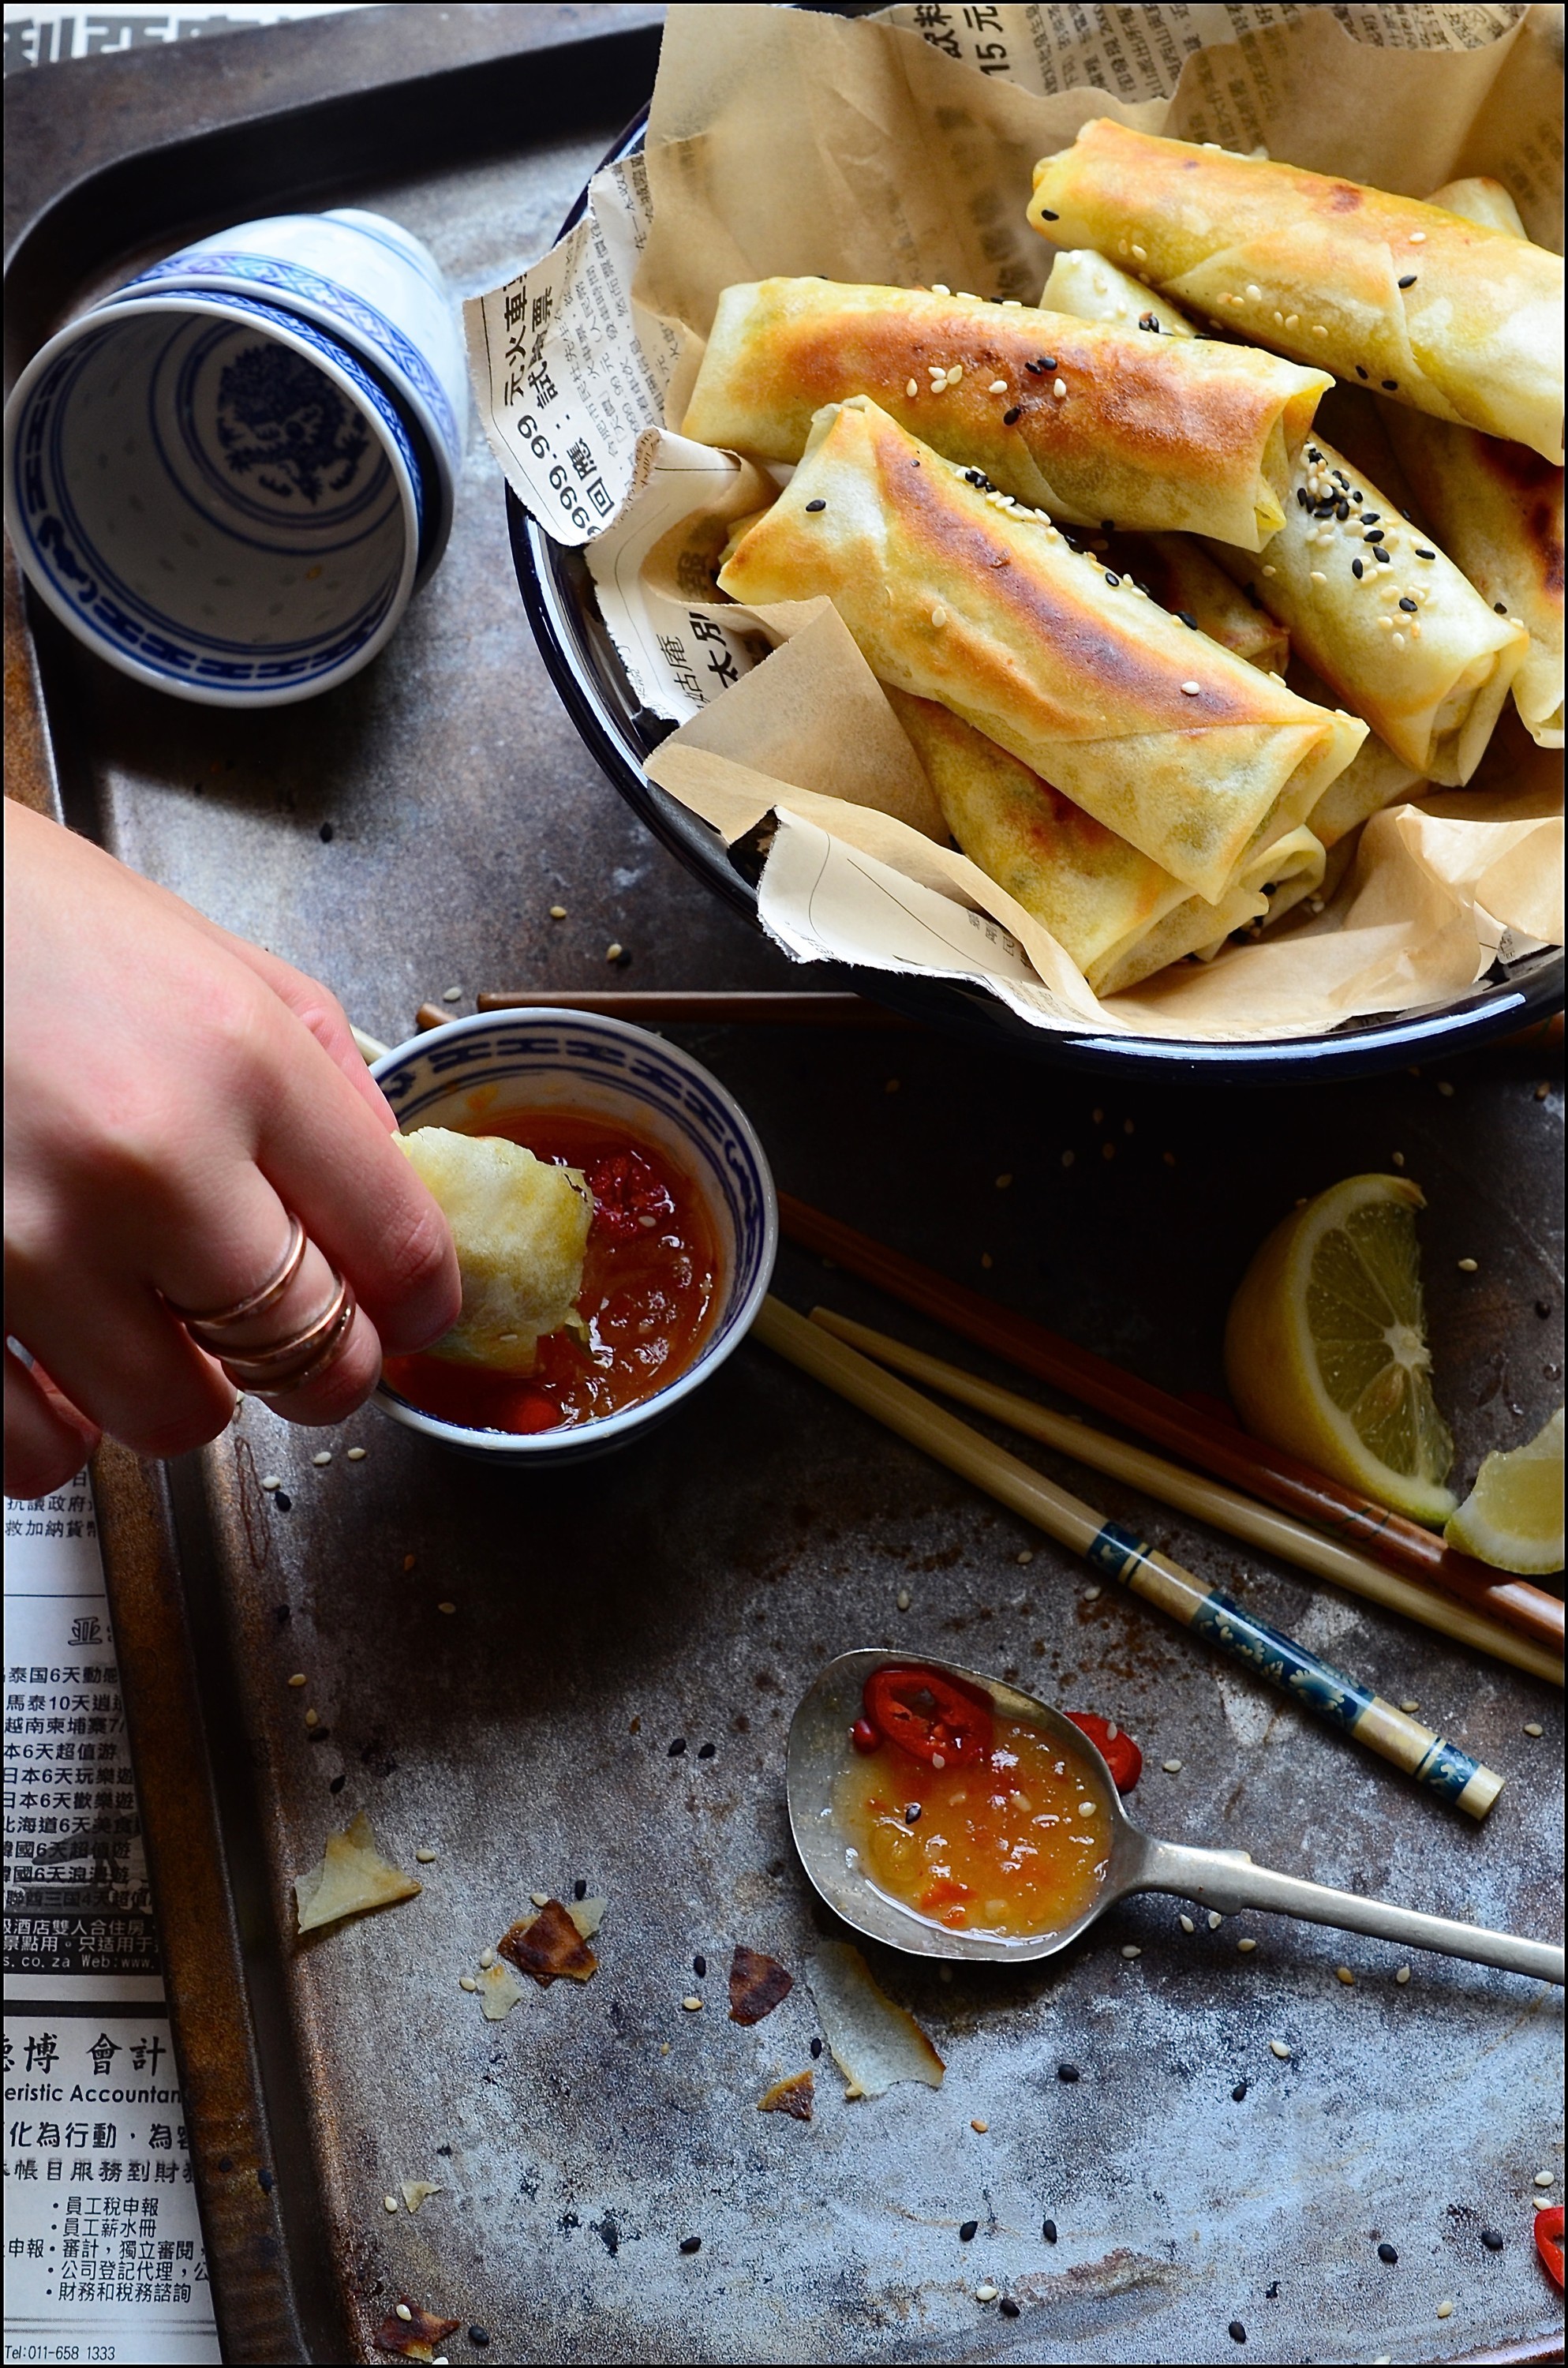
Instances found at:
x=1513 y=1517
x=1325 y=1348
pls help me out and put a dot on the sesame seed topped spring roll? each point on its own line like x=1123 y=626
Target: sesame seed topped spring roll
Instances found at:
x=951 y=592
x=1091 y=288
x=1387 y=621
x=1089 y=421
x=1452 y=317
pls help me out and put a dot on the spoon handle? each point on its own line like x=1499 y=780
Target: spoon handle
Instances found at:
x=1228 y=1880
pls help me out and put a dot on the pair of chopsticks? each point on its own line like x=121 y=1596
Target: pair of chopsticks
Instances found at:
x=1329 y=1528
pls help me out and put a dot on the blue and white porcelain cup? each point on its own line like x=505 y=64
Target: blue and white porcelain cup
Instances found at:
x=376 y=289
x=215 y=495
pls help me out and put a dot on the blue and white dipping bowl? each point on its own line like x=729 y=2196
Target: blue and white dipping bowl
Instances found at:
x=231 y=476
x=470 y=1073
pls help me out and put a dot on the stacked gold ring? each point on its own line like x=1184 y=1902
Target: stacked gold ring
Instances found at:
x=290 y=1363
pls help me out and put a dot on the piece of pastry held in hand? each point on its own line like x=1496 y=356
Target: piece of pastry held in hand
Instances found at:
x=1452 y=317
x=1385 y=618
x=1089 y=421
x=1118 y=915
x=953 y=592
x=520 y=1227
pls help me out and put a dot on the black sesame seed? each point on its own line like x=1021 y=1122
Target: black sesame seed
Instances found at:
x=691 y=2244
x=1356 y=569
x=1409 y=282
x=1007 y=2306
x=816 y=2047
x=1500 y=607
x=968 y=2232
x=1236 y=2332
x=1340 y=478
x=1271 y=2292
x=1048 y=2230
x=1184 y=618
x=1011 y=418
x=1386 y=2253
x=1110 y=579
x=337 y=1783
x=912 y=1813
x=284 y=1502
x=699 y=1967
x=1048 y=361
x=1359 y=371
x=1543 y=1308
x=818 y=504
x=1409 y=606
x=1147 y=320
x=1382 y=555
x=1492 y=2240
x=1390 y=385
x=1238 y=2092
x=1034 y=368
x=1425 y=555
x=1342 y=511
x=1406 y=516
x=480 y=2335
x=1371 y=517
x=328 y=833
x=264 y=2181
x=1046 y=214
x=282 y=1614
x=318 y=1734
x=1376 y=535
x=1301 y=497
x=677 y=1746
x=1068 y=2072
x=579 y=1889
x=1107 y=526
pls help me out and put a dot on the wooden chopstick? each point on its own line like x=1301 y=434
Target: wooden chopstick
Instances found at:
x=649 y=1006
x=1310 y=1684
x=1224 y=1508
x=1228 y=1454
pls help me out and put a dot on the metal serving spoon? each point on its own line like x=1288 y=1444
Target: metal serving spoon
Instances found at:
x=1226 y=1880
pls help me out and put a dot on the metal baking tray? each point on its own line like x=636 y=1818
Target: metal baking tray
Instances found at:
x=408 y=833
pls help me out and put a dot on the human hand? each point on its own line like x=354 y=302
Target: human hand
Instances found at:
x=172 y=1095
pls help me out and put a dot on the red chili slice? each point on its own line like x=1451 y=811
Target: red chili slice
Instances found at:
x=629 y=1198
x=1548 y=2239
x=1118 y=1751
x=932 y=1717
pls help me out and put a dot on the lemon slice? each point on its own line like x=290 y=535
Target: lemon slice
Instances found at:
x=1325 y=1348
x=1513 y=1516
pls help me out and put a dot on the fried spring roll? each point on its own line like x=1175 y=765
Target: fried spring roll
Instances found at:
x=1184 y=751
x=1178 y=573
x=1086 y=421
x=1389 y=622
x=1449 y=317
x=1091 y=288
x=1496 y=508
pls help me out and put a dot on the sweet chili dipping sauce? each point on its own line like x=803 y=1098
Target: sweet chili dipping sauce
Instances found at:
x=975 y=1820
x=651 y=1281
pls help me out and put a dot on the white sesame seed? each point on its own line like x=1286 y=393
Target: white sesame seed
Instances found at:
x=1545 y=2178
x=298 y=1679
x=1318 y=329
x=987 y=1259
x=1533 y=1729
x=902 y=1599
x=427 y=1857
x=955 y=375
x=1191 y=689
x=539 y=1899
x=998 y=386
x=313 y=1718
x=1539 y=2203
x=1247 y=1947
x=1410 y=1708
x=937 y=289
x=1292 y=320
x=1397 y=1157
x=1215 y=1920
x=388 y=2204
x=1277 y=2047
x=1445 y=2309
x=1142 y=253
x=1399 y=640
x=448 y=1608
x=938 y=615
x=1129 y=1948
x=1344 y=1974
x=558 y=912
x=1385 y=624
x=466 y=1982
x=1003 y=1180
x=1026 y=1556
x=1280 y=320
x=985 y=2293
x=486 y=1959
x=1445 y=1090
x=692 y=2005
x=323 y=1456
x=1171 y=1767
x=1402 y=1975
x=355 y=1455
x=1091 y=1594
x=451 y=995
x=273 y=1480
x=980 y=2128
x=913 y=387
x=402 y=2309
x=1318 y=577
x=1417 y=238
x=1086 y=1808
x=1187 y=1924
x=1271 y=571
x=1059 y=388
x=1467 y=1266
x=1255 y=295
x=614 y=951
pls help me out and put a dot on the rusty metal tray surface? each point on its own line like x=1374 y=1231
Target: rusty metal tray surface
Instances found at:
x=411 y=832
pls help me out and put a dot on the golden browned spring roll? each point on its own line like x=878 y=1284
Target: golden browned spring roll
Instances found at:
x=1389 y=622
x=1449 y=317
x=1091 y=288
x=1189 y=754
x=1086 y=421
x=1496 y=508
